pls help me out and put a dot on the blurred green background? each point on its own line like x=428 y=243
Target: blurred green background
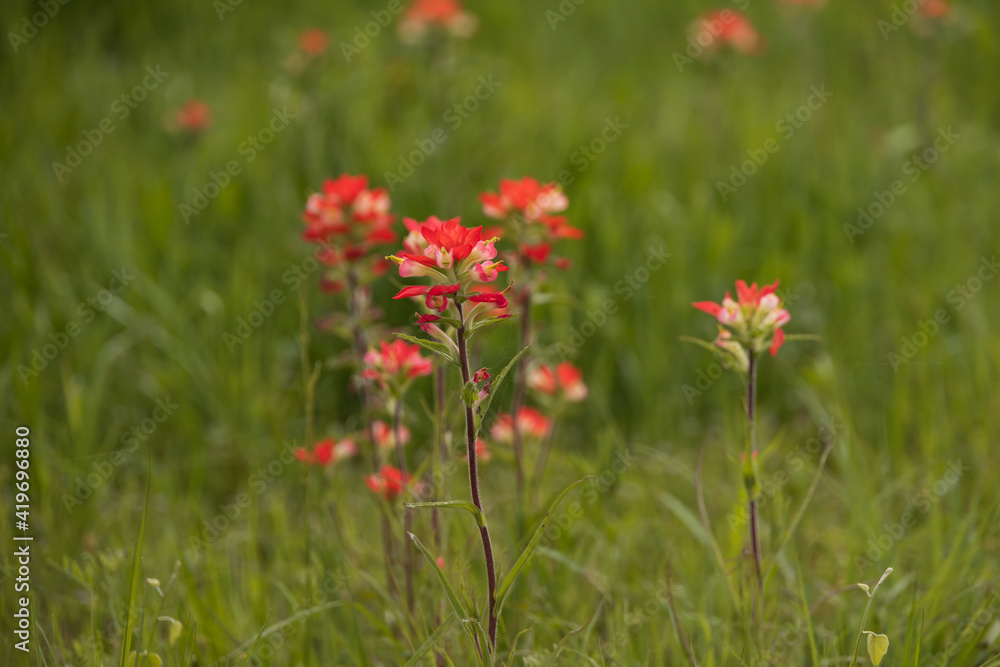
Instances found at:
x=684 y=129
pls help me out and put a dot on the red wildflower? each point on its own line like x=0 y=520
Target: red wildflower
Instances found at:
x=452 y=253
x=326 y=452
x=756 y=318
x=388 y=482
x=313 y=42
x=193 y=117
x=347 y=207
x=396 y=363
x=564 y=378
x=445 y=14
x=727 y=27
x=385 y=437
x=530 y=423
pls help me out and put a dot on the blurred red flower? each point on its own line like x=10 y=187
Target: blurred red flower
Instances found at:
x=447 y=15
x=396 y=363
x=326 y=452
x=726 y=27
x=313 y=42
x=387 y=482
x=565 y=380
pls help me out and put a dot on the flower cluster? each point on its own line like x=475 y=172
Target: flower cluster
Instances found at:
x=313 y=42
x=728 y=27
x=384 y=436
x=388 y=482
x=327 y=452
x=750 y=324
x=530 y=423
x=393 y=365
x=193 y=117
x=349 y=220
x=458 y=260
x=424 y=15
x=563 y=382
x=527 y=207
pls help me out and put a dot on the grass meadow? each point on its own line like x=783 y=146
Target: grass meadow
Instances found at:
x=158 y=349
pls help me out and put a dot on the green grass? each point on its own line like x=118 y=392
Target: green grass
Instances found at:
x=297 y=574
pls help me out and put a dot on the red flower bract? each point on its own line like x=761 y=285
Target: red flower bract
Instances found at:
x=454 y=238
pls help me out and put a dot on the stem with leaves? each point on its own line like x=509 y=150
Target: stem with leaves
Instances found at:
x=864 y=619
x=470 y=432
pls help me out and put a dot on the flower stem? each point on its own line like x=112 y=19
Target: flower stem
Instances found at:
x=358 y=336
x=864 y=619
x=470 y=432
x=408 y=512
x=440 y=452
x=518 y=400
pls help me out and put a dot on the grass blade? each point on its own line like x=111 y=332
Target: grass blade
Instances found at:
x=504 y=590
x=134 y=584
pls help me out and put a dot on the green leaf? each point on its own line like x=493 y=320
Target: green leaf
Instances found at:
x=513 y=645
x=135 y=585
x=469 y=622
x=878 y=645
x=253 y=647
x=470 y=393
x=458 y=504
x=718 y=352
x=486 y=323
x=504 y=590
x=439 y=349
x=497 y=381
x=791 y=338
